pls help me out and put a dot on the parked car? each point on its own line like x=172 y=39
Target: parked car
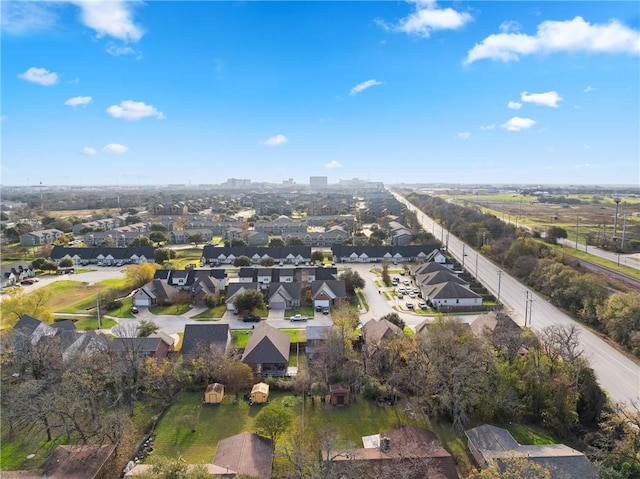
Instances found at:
x=400 y=295
x=298 y=317
x=325 y=310
x=26 y=282
x=412 y=295
x=409 y=305
x=134 y=310
x=235 y=311
x=251 y=318
x=422 y=305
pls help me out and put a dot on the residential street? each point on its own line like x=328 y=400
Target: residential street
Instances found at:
x=617 y=374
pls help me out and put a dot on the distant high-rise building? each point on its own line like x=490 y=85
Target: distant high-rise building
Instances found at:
x=318 y=181
x=237 y=183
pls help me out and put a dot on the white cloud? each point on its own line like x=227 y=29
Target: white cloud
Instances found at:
x=589 y=89
x=118 y=50
x=41 y=76
x=514 y=105
x=20 y=18
x=488 y=127
x=428 y=18
x=575 y=35
x=87 y=150
x=464 y=135
x=115 y=148
x=276 y=140
x=517 y=123
x=134 y=110
x=363 y=86
x=113 y=18
x=78 y=100
x=550 y=98
x=333 y=164
x=510 y=26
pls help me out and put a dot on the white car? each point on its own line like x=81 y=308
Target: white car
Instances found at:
x=298 y=317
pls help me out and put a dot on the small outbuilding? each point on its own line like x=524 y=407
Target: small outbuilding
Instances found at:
x=339 y=395
x=214 y=393
x=260 y=393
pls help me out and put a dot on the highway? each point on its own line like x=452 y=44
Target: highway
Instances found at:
x=617 y=374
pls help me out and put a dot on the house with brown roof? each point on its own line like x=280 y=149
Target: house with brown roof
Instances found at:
x=247 y=454
x=490 y=444
x=408 y=452
x=327 y=293
x=267 y=351
x=376 y=331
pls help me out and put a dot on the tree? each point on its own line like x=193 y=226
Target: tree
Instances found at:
x=242 y=261
x=395 y=319
x=18 y=303
x=554 y=233
x=38 y=262
x=295 y=241
x=317 y=256
x=161 y=255
x=238 y=242
x=196 y=238
x=352 y=280
x=276 y=243
x=268 y=261
x=386 y=278
x=141 y=241
x=146 y=328
x=170 y=468
x=273 y=420
x=139 y=274
x=158 y=237
x=158 y=227
x=249 y=300
x=66 y=263
x=513 y=468
x=621 y=317
x=235 y=375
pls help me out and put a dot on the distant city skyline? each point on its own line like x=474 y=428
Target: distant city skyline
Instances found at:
x=133 y=93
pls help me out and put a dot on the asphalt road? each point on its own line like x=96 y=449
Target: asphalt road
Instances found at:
x=617 y=374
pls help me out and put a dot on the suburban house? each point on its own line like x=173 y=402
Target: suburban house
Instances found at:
x=184 y=236
x=267 y=351
x=255 y=238
x=327 y=293
x=142 y=348
x=11 y=274
x=378 y=254
x=35 y=238
x=188 y=279
x=451 y=296
x=282 y=296
x=399 y=233
x=281 y=226
x=234 y=289
x=316 y=338
x=407 y=451
x=121 y=236
x=331 y=236
x=209 y=336
x=103 y=256
x=155 y=292
x=215 y=255
x=490 y=444
x=430 y=266
x=376 y=331
x=497 y=323
x=96 y=225
x=245 y=454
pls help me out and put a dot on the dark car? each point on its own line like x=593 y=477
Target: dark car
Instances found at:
x=134 y=310
x=325 y=310
x=318 y=309
x=27 y=281
x=251 y=318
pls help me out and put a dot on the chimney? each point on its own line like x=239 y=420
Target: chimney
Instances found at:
x=385 y=443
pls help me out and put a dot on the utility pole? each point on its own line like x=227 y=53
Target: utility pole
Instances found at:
x=463 y=254
x=577 y=226
x=477 y=266
x=615 y=219
x=526 y=306
x=499 y=284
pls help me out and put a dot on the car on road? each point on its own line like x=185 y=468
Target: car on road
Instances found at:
x=406 y=282
x=134 y=310
x=26 y=282
x=298 y=317
x=409 y=305
x=400 y=295
x=251 y=318
x=412 y=295
x=325 y=310
x=422 y=305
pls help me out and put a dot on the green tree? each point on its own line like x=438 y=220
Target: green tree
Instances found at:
x=158 y=227
x=196 y=238
x=621 y=317
x=352 y=280
x=249 y=300
x=268 y=261
x=317 y=256
x=235 y=375
x=158 y=237
x=238 y=242
x=174 y=468
x=147 y=328
x=242 y=261
x=18 y=303
x=273 y=420
x=141 y=241
x=66 y=263
x=162 y=255
x=38 y=263
x=554 y=233
x=295 y=241
x=395 y=319
x=386 y=278
x=513 y=468
x=276 y=242
x=139 y=274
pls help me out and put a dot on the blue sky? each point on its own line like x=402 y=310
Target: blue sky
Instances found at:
x=110 y=92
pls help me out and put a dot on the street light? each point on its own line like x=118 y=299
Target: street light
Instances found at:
x=463 y=254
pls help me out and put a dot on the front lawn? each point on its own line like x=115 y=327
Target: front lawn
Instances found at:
x=92 y=323
x=302 y=310
x=241 y=336
x=212 y=313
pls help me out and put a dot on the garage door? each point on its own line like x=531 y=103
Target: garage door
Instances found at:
x=321 y=303
x=276 y=305
x=142 y=302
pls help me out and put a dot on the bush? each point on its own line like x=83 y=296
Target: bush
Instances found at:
x=113 y=305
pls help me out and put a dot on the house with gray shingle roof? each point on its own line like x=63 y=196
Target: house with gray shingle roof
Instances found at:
x=198 y=336
x=451 y=296
x=245 y=454
x=490 y=444
x=267 y=351
x=284 y=295
x=234 y=289
x=327 y=293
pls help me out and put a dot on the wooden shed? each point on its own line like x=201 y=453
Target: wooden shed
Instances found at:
x=214 y=393
x=339 y=394
x=260 y=393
